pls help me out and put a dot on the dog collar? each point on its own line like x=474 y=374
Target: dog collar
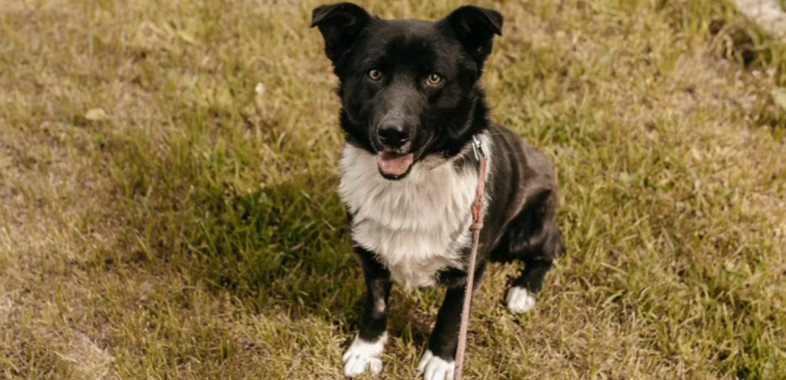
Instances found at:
x=478 y=149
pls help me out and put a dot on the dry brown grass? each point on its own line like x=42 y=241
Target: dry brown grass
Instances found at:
x=190 y=228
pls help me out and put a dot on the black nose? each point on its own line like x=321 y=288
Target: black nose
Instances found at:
x=393 y=135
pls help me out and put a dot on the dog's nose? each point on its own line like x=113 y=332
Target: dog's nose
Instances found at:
x=393 y=135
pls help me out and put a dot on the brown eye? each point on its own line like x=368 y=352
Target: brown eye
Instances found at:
x=434 y=79
x=375 y=74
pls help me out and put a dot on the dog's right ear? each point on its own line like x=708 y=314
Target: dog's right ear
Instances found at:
x=340 y=25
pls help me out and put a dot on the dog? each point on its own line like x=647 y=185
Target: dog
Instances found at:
x=412 y=106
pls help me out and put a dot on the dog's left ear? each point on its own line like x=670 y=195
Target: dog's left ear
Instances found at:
x=340 y=25
x=475 y=27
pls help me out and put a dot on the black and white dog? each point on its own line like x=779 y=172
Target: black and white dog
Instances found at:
x=412 y=106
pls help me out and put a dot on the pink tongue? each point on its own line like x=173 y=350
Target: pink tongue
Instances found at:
x=394 y=165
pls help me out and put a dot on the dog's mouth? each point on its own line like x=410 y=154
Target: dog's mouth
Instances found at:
x=394 y=166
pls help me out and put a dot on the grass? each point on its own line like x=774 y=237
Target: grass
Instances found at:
x=168 y=202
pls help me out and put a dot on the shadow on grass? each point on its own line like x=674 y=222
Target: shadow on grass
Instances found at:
x=284 y=244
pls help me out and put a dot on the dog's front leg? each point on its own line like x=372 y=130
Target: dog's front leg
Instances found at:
x=439 y=361
x=366 y=350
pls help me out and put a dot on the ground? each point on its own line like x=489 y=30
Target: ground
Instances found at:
x=168 y=205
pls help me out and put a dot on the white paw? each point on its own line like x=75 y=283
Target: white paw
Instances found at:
x=520 y=300
x=435 y=368
x=364 y=354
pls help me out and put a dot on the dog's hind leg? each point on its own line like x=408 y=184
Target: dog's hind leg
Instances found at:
x=534 y=238
x=521 y=295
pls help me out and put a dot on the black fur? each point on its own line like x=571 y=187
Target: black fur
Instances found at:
x=520 y=222
x=407 y=52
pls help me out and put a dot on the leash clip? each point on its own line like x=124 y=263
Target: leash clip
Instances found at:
x=478 y=149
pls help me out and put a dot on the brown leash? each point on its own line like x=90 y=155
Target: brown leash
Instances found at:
x=477 y=224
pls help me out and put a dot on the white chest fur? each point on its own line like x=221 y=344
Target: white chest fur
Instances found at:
x=416 y=226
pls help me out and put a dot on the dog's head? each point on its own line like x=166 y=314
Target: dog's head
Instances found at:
x=409 y=88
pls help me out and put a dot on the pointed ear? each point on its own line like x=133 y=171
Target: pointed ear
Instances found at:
x=475 y=27
x=340 y=25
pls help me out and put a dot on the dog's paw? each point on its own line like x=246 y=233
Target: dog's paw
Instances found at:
x=433 y=367
x=520 y=300
x=362 y=355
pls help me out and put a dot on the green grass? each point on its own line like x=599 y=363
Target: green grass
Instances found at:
x=191 y=227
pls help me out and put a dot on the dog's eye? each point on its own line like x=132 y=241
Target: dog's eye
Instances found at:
x=375 y=74
x=434 y=79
